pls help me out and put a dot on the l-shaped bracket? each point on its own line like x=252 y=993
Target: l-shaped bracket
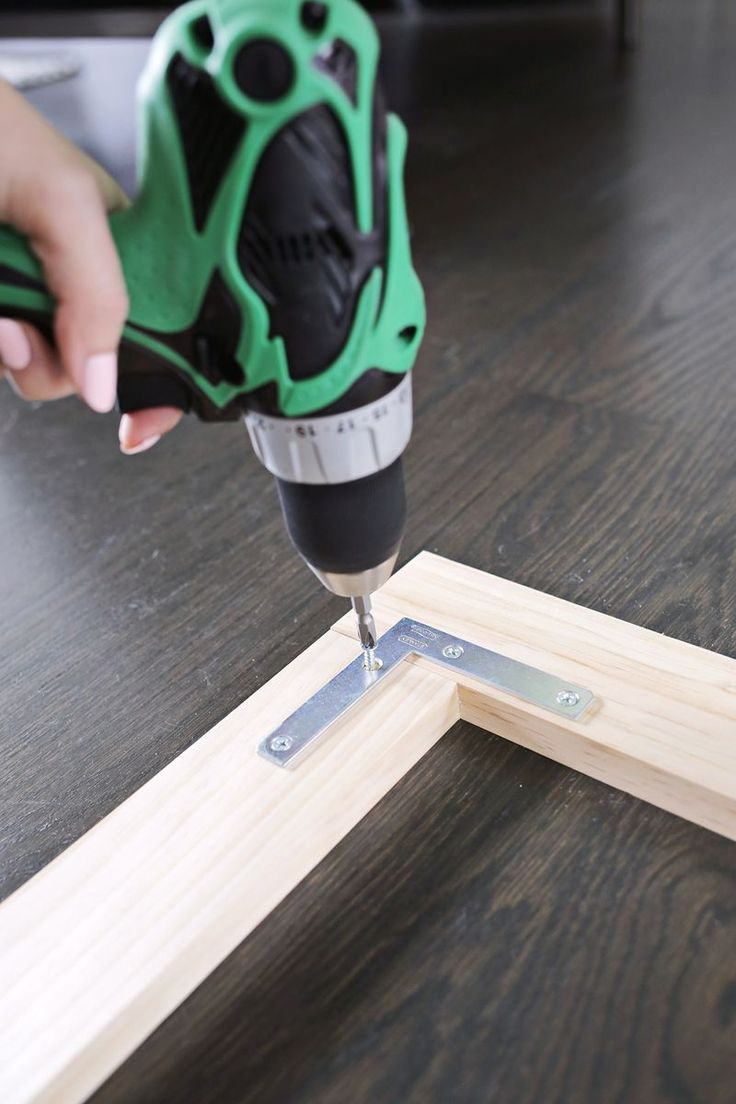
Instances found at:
x=298 y=734
x=105 y=942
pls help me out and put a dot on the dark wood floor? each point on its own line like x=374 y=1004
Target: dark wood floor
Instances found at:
x=499 y=928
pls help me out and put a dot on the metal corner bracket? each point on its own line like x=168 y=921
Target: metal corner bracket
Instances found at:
x=298 y=734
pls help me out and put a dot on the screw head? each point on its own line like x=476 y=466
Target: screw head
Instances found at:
x=281 y=743
x=452 y=651
x=568 y=698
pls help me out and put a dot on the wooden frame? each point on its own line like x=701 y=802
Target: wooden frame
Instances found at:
x=104 y=943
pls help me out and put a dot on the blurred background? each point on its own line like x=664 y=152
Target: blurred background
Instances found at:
x=139 y=17
x=373 y=5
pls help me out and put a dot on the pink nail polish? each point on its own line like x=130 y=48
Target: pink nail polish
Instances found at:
x=124 y=430
x=15 y=348
x=100 y=382
x=143 y=446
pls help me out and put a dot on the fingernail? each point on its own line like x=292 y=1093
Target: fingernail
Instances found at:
x=124 y=428
x=100 y=382
x=125 y=433
x=15 y=348
x=143 y=446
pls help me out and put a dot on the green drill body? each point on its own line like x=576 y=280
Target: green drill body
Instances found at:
x=268 y=266
x=171 y=251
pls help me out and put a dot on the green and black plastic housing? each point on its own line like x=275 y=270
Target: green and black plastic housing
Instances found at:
x=267 y=253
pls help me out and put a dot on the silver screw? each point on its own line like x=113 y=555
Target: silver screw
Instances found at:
x=568 y=698
x=281 y=743
x=452 y=651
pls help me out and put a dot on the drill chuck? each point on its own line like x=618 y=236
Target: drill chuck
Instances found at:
x=341 y=486
x=348 y=533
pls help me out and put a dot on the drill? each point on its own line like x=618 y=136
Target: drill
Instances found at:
x=268 y=266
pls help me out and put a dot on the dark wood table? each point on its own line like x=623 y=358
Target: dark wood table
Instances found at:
x=499 y=928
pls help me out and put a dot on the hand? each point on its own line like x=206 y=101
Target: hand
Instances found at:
x=58 y=197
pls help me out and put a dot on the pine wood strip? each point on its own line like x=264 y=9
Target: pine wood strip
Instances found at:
x=665 y=729
x=105 y=942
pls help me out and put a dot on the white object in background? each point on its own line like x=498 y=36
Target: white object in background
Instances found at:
x=35 y=70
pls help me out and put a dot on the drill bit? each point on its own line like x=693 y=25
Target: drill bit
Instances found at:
x=366 y=630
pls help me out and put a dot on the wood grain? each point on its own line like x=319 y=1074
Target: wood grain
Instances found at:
x=102 y=945
x=665 y=728
x=105 y=942
x=575 y=226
